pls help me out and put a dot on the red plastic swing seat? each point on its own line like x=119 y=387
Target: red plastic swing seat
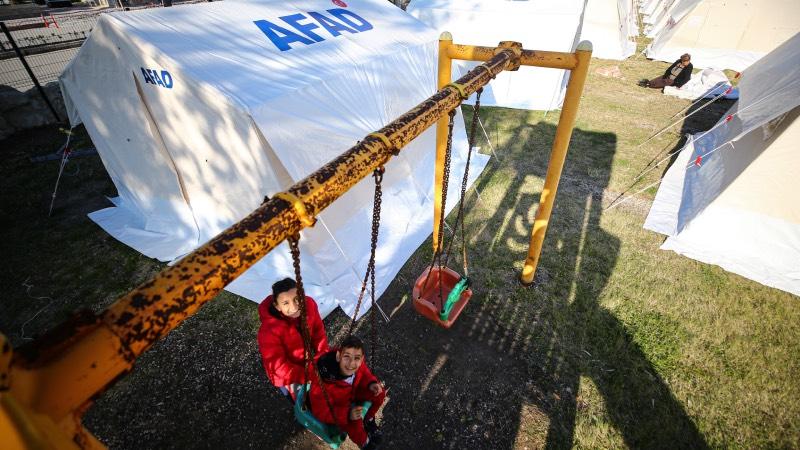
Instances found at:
x=428 y=303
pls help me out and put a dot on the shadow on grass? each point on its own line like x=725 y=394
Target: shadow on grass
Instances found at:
x=509 y=372
x=700 y=117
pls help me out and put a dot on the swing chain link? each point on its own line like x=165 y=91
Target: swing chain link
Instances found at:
x=294 y=248
x=445 y=187
x=370 y=273
x=445 y=183
x=308 y=350
x=376 y=223
x=464 y=180
x=437 y=253
x=305 y=332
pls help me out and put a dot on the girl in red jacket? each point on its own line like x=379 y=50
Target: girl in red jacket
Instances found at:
x=280 y=340
x=348 y=383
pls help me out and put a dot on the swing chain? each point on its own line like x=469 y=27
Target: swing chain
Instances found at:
x=459 y=216
x=308 y=357
x=308 y=350
x=370 y=273
x=445 y=186
x=445 y=180
x=437 y=253
x=376 y=223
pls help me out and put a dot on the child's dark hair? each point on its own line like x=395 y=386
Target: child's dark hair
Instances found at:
x=352 y=342
x=285 y=285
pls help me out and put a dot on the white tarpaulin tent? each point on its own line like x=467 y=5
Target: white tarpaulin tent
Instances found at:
x=737 y=205
x=725 y=34
x=650 y=9
x=537 y=24
x=666 y=12
x=611 y=27
x=200 y=111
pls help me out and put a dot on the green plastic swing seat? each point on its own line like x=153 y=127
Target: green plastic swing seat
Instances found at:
x=331 y=434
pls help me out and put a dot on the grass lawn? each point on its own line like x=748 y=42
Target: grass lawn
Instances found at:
x=718 y=350
x=619 y=344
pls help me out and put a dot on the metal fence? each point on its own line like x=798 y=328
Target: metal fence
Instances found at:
x=47 y=42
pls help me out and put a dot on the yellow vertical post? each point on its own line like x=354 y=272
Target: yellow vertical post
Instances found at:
x=566 y=123
x=444 y=78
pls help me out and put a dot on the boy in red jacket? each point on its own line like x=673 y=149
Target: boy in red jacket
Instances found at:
x=348 y=383
x=280 y=339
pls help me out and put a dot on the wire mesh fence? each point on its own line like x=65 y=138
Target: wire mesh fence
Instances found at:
x=46 y=67
x=50 y=29
x=48 y=43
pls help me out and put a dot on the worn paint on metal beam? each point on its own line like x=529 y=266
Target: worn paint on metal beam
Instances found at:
x=534 y=58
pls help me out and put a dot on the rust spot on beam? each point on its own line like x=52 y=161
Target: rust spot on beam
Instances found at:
x=40 y=351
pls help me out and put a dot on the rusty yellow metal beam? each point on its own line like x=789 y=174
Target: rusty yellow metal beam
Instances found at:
x=21 y=425
x=534 y=58
x=57 y=376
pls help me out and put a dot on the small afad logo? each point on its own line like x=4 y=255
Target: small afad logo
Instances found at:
x=159 y=78
x=339 y=3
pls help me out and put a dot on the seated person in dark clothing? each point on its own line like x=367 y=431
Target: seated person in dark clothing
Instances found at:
x=676 y=75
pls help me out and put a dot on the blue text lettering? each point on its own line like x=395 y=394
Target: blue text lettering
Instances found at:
x=152 y=76
x=333 y=27
x=342 y=14
x=305 y=28
x=282 y=42
x=283 y=38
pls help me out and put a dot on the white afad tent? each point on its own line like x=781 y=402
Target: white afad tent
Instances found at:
x=611 y=27
x=730 y=198
x=200 y=111
x=537 y=24
x=665 y=13
x=724 y=34
x=650 y=9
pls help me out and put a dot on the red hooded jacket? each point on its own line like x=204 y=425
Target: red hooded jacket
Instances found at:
x=281 y=343
x=341 y=394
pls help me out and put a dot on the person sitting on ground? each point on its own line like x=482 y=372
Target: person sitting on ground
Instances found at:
x=348 y=383
x=280 y=338
x=676 y=75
